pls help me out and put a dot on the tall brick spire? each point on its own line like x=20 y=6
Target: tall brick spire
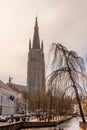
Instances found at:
x=36 y=40
x=36 y=64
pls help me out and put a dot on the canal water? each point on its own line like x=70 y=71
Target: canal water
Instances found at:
x=73 y=124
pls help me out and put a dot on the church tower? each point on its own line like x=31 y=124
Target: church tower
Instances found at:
x=36 y=64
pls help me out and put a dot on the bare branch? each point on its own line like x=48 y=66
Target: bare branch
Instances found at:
x=68 y=70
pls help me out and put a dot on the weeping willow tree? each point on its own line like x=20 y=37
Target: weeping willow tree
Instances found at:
x=68 y=72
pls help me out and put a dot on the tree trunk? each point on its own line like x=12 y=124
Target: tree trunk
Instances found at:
x=77 y=97
x=79 y=103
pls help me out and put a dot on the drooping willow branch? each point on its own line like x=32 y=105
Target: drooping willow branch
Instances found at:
x=68 y=70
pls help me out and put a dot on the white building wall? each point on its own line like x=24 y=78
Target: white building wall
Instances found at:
x=7 y=101
x=7 y=110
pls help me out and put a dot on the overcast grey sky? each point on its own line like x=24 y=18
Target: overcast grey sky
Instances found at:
x=63 y=21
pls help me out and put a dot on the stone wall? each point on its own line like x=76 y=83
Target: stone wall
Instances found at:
x=12 y=126
x=20 y=125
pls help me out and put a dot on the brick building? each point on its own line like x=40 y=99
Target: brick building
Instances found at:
x=36 y=64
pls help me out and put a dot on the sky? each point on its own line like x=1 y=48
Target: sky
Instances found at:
x=63 y=21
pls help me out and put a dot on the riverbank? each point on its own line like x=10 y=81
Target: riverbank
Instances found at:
x=72 y=124
x=19 y=125
x=45 y=124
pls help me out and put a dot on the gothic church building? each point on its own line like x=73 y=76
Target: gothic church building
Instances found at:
x=36 y=64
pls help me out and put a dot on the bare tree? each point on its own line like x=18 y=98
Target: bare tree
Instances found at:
x=37 y=101
x=68 y=72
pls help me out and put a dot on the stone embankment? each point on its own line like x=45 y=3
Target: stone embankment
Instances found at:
x=44 y=124
x=12 y=126
x=19 y=125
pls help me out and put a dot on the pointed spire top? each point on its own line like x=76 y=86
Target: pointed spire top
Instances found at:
x=36 y=41
x=36 y=23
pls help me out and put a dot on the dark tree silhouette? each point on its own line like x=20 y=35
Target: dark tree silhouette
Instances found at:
x=68 y=72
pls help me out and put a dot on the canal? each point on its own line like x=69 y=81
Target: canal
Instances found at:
x=73 y=124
